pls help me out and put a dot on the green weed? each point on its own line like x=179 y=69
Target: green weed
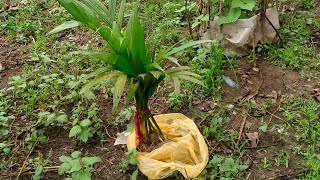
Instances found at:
x=223 y=168
x=78 y=167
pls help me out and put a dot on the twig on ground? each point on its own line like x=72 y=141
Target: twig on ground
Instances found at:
x=273 y=115
x=250 y=96
x=30 y=171
x=109 y=134
x=259 y=147
x=245 y=115
x=291 y=175
x=25 y=161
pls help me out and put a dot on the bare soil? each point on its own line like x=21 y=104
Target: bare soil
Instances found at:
x=11 y=59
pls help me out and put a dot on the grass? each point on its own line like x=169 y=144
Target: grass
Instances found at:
x=44 y=96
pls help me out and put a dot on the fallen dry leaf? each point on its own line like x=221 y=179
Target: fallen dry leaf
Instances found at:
x=1 y=67
x=250 y=82
x=255 y=69
x=24 y=2
x=254 y=138
x=274 y=94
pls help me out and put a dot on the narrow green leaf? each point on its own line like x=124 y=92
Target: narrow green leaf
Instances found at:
x=137 y=43
x=99 y=8
x=188 y=73
x=108 y=58
x=174 y=60
x=132 y=89
x=118 y=90
x=176 y=69
x=154 y=65
x=135 y=175
x=121 y=13
x=156 y=74
x=189 y=78
x=177 y=85
x=112 y=8
x=96 y=73
x=187 y=45
x=64 y=26
x=81 y=13
x=99 y=79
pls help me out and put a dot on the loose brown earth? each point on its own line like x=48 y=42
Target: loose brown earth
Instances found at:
x=256 y=84
x=11 y=59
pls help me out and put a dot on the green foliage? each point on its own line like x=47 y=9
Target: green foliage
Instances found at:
x=306 y=4
x=216 y=129
x=78 y=167
x=130 y=59
x=85 y=123
x=235 y=9
x=296 y=52
x=125 y=115
x=200 y=19
x=40 y=165
x=175 y=101
x=303 y=115
x=208 y=63
x=130 y=159
x=224 y=168
x=283 y=158
x=4 y=116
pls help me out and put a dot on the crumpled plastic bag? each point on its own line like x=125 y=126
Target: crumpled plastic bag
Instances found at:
x=243 y=33
x=186 y=150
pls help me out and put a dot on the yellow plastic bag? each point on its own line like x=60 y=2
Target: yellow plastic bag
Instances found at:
x=186 y=150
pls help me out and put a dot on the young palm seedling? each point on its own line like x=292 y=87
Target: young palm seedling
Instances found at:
x=129 y=61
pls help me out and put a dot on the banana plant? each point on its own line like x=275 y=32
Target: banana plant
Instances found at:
x=129 y=61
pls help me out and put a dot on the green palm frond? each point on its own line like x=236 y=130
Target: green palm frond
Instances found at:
x=108 y=76
x=118 y=90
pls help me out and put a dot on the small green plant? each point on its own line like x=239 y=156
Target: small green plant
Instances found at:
x=175 y=101
x=264 y=162
x=125 y=115
x=216 y=129
x=85 y=128
x=130 y=159
x=263 y=128
x=236 y=7
x=224 y=168
x=199 y=20
x=4 y=149
x=208 y=63
x=78 y=167
x=283 y=158
x=306 y=4
x=40 y=164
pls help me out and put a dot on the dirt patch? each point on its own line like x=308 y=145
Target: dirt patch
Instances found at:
x=263 y=80
x=259 y=84
x=10 y=61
